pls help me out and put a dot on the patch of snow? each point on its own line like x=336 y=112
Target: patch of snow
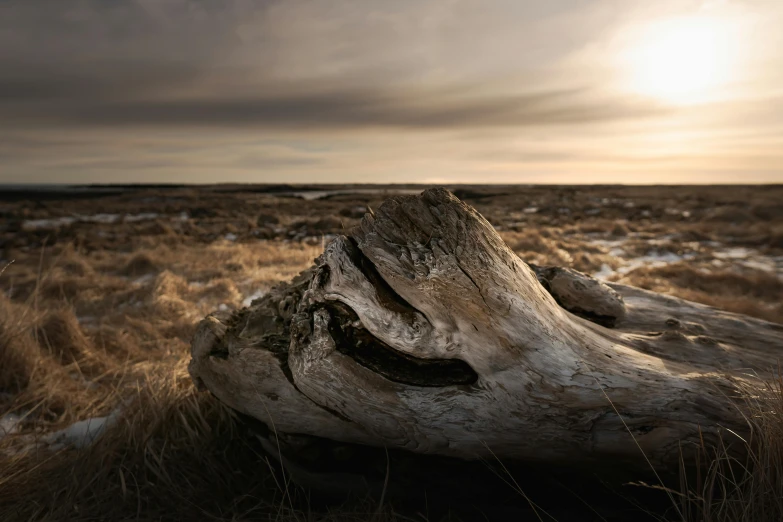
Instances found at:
x=223 y=307
x=103 y=218
x=734 y=253
x=183 y=216
x=82 y=433
x=662 y=240
x=530 y=210
x=249 y=299
x=230 y=237
x=762 y=263
x=605 y=272
x=9 y=424
x=609 y=243
x=146 y=278
x=677 y=212
x=47 y=224
x=629 y=204
x=653 y=260
x=320 y=194
x=144 y=216
x=748 y=257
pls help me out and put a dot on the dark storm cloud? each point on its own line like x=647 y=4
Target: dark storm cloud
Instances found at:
x=259 y=63
x=106 y=82
x=117 y=103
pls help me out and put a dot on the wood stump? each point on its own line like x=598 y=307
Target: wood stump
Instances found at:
x=422 y=331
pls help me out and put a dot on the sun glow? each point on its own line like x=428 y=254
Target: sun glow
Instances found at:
x=683 y=60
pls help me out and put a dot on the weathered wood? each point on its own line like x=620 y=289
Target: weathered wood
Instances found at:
x=421 y=330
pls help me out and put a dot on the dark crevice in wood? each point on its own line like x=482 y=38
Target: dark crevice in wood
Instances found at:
x=387 y=296
x=219 y=351
x=607 y=321
x=278 y=346
x=374 y=354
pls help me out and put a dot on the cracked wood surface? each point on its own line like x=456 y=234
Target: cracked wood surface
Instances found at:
x=422 y=330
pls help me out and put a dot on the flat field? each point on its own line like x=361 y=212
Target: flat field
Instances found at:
x=102 y=288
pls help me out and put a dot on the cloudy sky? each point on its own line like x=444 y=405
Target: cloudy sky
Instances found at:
x=506 y=91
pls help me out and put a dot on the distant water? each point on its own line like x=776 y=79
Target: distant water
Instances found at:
x=320 y=194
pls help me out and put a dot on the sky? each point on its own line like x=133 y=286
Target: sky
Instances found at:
x=391 y=91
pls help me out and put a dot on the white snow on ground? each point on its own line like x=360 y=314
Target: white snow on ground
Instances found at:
x=46 y=224
x=734 y=253
x=319 y=194
x=731 y=256
x=82 y=433
x=764 y=264
x=144 y=216
x=249 y=299
x=230 y=237
x=652 y=260
x=9 y=424
x=102 y=218
x=605 y=272
x=749 y=258
x=609 y=243
x=65 y=221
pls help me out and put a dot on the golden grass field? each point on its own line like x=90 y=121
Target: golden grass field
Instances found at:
x=101 y=294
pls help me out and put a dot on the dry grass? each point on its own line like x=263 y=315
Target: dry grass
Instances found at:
x=750 y=490
x=751 y=292
x=89 y=334
x=719 y=486
x=80 y=339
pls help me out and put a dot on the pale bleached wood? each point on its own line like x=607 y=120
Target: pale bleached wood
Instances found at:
x=344 y=351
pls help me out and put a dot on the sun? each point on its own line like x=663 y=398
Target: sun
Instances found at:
x=682 y=60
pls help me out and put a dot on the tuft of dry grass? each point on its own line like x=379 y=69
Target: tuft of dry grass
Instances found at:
x=140 y=264
x=749 y=490
x=751 y=292
x=727 y=488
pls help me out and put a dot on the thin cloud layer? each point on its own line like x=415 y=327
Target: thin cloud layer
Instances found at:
x=120 y=101
x=357 y=89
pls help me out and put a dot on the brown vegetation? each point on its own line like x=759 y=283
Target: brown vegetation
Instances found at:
x=96 y=320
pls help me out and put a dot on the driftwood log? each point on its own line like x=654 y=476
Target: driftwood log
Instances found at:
x=422 y=331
